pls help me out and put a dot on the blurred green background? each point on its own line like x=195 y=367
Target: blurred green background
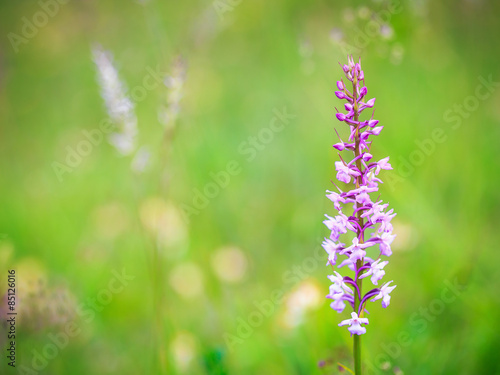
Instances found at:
x=198 y=297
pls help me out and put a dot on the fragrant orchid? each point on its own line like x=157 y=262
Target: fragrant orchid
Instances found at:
x=370 y=220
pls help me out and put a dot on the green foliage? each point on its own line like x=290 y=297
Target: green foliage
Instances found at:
x=196 y=282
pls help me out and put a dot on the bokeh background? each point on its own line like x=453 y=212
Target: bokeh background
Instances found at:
x=202 y=273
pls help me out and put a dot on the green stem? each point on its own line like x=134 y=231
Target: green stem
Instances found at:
x=357 y=338
x=357 y=354
x=359 y=263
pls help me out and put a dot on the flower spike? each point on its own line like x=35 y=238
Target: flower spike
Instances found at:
x=365 y=255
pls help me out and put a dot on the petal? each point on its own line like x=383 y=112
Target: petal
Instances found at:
x=340 y=116
x=339 y=146
x=366 y=274
x=340 y=94
x=356 y=329
x=386 y=301
x=338 y=305
x=345 y=322
x=363 y=320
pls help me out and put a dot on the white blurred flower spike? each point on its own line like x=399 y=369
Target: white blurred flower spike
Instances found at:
x=169 y=111
x=118 y=105
x=141 y=160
